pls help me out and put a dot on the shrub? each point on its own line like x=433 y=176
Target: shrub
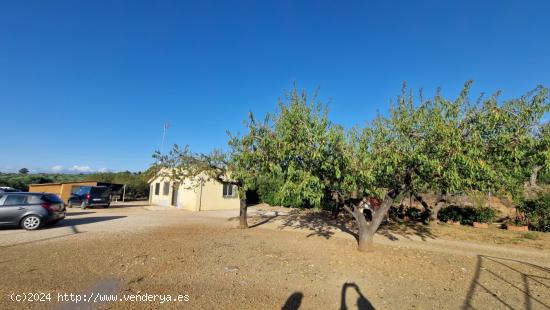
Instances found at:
x=484 y=215
x=451 y=213
x=413 y=213
x=467 y=215
x=536 y=213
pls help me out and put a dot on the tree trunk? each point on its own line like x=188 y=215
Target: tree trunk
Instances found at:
x=365 y=240
x=378 y=216
x=534 y=176
x=422 y=202
x=365 y=229
x=243 y=223
x=365 y=236
x=434 y=211
x=438 y=206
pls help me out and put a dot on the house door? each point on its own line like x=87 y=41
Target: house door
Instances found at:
x=175 y=195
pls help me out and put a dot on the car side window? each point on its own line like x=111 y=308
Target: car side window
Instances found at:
x=33 y=200
x=14 y=200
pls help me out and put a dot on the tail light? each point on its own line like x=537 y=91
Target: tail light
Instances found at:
x=88 y=197
x=47 y=206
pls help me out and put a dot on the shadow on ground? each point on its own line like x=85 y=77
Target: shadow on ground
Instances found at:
x=323 y=224
x=126 y=205
x=70 y=223
x=521 y=285
x=294 y=301
x=319 y=223
x=264 y=219
x=406 y=230
x=86 y=220
x=78 y=213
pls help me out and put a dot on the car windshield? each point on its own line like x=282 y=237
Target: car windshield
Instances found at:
x=100 y=191
x=83 y=190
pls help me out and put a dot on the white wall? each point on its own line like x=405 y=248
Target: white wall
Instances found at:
x=191 y=198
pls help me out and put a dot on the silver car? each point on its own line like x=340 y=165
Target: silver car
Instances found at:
x=30 y=210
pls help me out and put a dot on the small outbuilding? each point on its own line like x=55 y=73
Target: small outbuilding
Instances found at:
x=202 y=195
x=64 y=190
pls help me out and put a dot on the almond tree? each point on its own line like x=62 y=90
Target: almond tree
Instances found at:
x=514 y=138
x=241 y=166
x=438 y=144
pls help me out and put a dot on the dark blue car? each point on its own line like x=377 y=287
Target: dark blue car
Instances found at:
x=91 y=196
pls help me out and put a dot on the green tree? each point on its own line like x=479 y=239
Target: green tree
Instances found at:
x=241 y=166
x=438 y=144
x=514 y=140
x=23 y=171
x=300 y=153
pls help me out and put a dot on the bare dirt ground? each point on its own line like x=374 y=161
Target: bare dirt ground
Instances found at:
x=283 y=261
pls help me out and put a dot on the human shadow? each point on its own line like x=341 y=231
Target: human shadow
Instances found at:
x=362 y=302
x=525 y=284
x=293 y=302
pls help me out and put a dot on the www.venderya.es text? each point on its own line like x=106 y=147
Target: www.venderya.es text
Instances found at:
x=93 y=297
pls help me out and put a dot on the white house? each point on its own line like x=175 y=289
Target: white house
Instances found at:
x=204 y=195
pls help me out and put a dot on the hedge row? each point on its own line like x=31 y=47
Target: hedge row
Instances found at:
x=467 y=215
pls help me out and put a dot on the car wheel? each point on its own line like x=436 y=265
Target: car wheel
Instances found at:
x=106 y=206
x=83 y=206
x=31 y=222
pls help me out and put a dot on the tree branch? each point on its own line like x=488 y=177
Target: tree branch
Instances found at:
x=350 y=211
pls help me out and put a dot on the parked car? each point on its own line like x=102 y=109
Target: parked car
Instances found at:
x=30 y=210
x=91 y=196
x=6 y=189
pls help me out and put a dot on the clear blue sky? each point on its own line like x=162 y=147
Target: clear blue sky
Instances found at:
x=90 y=83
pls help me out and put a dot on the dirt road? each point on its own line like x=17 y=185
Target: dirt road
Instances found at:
x=137 y=250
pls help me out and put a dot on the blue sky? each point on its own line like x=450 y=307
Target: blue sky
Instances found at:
x=87 y=85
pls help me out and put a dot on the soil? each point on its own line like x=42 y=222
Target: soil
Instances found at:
x=278 y=263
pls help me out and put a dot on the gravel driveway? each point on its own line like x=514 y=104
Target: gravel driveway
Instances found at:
x=119 y=218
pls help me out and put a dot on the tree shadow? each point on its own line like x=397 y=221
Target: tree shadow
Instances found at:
x=264 y=220
x=391 y=230
x=321 y=224
x=293 y=302
x=324 y=224
x=362 y=302
x=520 y=284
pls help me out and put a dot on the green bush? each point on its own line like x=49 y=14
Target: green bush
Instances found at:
x=451 y=213
x=467 y=215
x=484 y=215
x=536 y=212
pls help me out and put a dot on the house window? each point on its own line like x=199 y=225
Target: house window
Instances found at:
x=166 y=188
x=229 y=190
x=157 y=189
